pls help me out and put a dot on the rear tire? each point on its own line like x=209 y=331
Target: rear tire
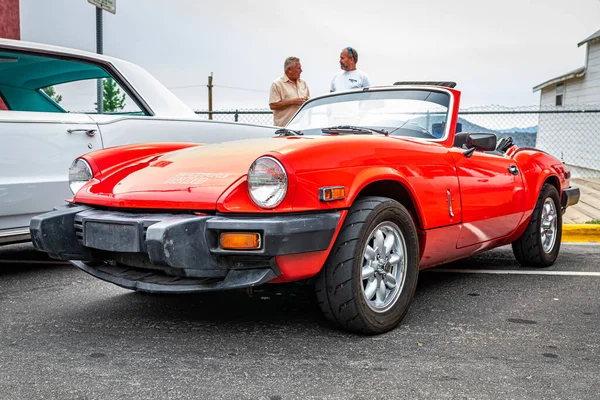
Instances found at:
x=370 y=277
x=539 y=245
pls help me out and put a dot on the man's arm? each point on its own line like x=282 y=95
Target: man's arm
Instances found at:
x=286 y=103
x=277 y=103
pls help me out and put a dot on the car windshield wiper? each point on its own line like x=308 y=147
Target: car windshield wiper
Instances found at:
x=288 y=132
x=353 y=129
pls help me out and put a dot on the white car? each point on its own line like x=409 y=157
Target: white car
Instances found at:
x=48 y=117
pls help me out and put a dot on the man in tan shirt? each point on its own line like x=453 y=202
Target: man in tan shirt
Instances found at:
x=288 y=92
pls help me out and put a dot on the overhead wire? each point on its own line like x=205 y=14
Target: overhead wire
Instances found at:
x=220 y=86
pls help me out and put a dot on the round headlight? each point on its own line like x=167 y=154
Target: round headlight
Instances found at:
x=267 y=182
x=80 y=173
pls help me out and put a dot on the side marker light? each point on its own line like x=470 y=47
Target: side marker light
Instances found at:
x=332 y=193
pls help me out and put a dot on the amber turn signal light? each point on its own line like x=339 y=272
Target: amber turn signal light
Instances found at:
x=332 y=193
x=239 y=240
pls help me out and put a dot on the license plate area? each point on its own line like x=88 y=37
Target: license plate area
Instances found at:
x=112 y=236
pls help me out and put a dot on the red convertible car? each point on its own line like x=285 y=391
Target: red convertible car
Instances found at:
x=360 y=191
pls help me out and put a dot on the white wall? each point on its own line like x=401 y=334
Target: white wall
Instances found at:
x=574 y=138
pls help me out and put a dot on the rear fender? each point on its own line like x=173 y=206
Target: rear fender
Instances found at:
x=537 y=169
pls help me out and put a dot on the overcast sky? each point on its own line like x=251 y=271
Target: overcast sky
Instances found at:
x=496 y=51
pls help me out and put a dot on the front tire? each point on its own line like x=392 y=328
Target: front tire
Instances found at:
x=539 y=245
x=370 y=276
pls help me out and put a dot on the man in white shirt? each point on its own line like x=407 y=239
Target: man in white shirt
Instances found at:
x=350 y=77
x=288 y=92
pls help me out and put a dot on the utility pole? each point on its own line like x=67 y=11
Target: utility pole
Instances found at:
x=99 y=50
x=210 y=86
x=110 y=6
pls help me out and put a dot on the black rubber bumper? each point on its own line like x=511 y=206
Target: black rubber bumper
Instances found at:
x=54 y=233
x=176 y=252
x=570 y=196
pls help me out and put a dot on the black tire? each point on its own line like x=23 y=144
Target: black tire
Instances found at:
x=340 y=289
x=529 y=248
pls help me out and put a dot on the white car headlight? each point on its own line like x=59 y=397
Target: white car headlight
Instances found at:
x=267 y=182
x=80 y=173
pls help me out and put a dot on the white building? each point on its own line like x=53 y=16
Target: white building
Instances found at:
x=574 y=134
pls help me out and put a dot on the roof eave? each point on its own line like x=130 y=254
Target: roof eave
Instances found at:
x=578 y=73
x=595 y=36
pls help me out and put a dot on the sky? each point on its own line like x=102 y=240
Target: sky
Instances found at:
x=495 y=51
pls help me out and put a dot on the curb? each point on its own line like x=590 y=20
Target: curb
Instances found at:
x=587 y=233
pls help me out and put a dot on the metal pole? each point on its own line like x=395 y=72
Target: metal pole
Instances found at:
x=99 y=50
x=210 y=86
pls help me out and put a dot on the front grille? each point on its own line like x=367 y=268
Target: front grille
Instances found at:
x=78 y=230
x=143 y=218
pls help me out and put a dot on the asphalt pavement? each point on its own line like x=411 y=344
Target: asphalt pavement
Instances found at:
x=477 y=329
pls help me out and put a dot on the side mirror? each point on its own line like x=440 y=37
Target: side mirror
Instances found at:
x=475 y=141
x=481 y=141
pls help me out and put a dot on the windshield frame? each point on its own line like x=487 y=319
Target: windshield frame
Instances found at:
x=449 y=114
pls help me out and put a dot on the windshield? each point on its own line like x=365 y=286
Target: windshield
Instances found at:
x=409 y=113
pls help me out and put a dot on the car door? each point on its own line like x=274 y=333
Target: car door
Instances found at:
x=36 y=151
x=492 y=194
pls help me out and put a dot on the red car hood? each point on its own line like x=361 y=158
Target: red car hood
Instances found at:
x=192 y=178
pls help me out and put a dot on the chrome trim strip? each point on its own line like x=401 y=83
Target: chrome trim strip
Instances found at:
x=450 y=210
x=15 y=235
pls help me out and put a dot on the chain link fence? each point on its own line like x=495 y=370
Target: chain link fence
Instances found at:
x=246 y=116
x=570 y=133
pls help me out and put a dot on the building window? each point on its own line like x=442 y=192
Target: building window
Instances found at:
x=560 y=91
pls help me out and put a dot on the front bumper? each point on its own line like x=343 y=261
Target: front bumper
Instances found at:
x=176 y=252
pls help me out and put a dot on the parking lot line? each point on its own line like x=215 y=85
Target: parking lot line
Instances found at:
x=515 y=272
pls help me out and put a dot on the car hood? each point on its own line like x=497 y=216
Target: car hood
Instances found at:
x=195 y=177
x=192 y=178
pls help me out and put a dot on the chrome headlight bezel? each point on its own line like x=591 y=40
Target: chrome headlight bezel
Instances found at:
x=80 y=173
x=267 y=182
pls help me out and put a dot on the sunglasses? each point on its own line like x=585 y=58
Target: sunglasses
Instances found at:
x=350 y=52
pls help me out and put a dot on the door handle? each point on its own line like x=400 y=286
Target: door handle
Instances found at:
x=513 y=170
x=89 y=132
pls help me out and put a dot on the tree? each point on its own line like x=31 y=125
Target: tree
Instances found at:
x=112 y=99
x=50 y=92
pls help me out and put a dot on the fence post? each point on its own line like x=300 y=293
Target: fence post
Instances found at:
x=210 y=86
x=236 y=115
